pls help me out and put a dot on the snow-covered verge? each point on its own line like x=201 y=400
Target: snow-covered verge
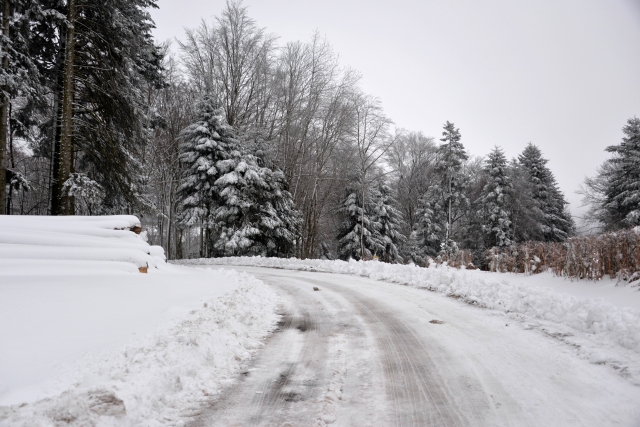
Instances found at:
x=87 y=340
x=163 y=378
x=596 y=318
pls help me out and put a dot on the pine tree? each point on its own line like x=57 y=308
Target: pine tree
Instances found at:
x=204 y=143
x=255 y=214
x=359 y=235
x=445 y=203
x=244 y=207
x=525 y=213
x=557 y=225
x=429 y=231
x=497 y=225
x=390 y=220
x=109 y=61
x=622 y=198
x=470 y=228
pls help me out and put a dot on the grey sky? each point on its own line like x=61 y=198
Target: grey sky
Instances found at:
x=563 y=74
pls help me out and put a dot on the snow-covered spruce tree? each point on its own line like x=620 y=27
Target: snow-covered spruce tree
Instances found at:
x=494 y=201
x=413 y=251
x=428 y=232
x=469 y=230
x=601 y=216
x=359 y=234
x=622 y=198
x=557 y=224
x=526 y=216
x=203 y=144
x=390 y=220
x=445 y=203
x=254 y=213
x=244 y=208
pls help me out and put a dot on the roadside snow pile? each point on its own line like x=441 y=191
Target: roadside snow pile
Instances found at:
x=618 y=325
x=86 y=340
x=162 y=380
x=82 y=243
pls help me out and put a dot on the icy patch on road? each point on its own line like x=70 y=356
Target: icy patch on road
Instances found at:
x=596 y=319
x=163 y=379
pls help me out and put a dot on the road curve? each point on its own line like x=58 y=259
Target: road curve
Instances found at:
x=364 y=353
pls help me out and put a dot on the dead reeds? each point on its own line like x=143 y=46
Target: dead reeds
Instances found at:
x=616 y=254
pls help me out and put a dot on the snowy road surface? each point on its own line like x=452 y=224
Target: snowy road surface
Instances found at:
x=364 y=353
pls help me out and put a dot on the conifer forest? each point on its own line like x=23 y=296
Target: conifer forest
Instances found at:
x=233 y=143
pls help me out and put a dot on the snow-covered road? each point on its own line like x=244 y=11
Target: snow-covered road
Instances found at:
x=360 y=352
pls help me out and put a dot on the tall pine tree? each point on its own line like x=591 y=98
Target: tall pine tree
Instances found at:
x=445 y=203
x=390 y=220
x=204 y=143
x=255 y=214
x=244 y=208
x=494 y=200
x=622 y=198
x=557 y=224
x=109 y=61
x=359 y=234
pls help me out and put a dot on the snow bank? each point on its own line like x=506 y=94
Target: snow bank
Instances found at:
x=86 y=340
x=161 y=380
x=618 y=325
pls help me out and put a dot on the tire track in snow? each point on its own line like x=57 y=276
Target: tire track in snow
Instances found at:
x=420 y=397
x=288 y=374
x=416 y=394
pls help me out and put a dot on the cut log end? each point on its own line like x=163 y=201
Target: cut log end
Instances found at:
x=143 y=269
x=136 y=229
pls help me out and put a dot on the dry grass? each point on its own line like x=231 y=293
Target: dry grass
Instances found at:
x=616 y=254
x=457 y=260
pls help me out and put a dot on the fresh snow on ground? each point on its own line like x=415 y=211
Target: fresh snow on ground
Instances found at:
x=86 y=339
x=613 y=291
x=602 y=332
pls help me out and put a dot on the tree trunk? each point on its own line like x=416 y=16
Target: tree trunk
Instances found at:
x=362 y=223
x=179 y=254
x=57 y=114
x=4 y=112
x=13 y=161
x=202 y=254
x=66 y=128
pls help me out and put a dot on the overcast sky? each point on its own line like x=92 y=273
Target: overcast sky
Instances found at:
x=563 y=74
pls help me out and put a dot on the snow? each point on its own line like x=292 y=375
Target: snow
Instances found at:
x=105 y=238
x=88 y=340
x=592 y=324
x=619 y=293
x=439 y=355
